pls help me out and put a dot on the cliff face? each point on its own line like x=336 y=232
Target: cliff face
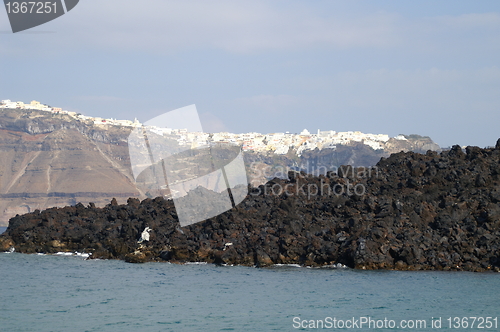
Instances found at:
x=318 y=162
x=330 y=159
x=415 y=143
x=412 y=211
x=359 y=154
x=55 y=161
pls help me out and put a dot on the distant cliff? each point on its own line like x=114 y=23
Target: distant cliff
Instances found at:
x=51 y=159
x=355 y=153
x=411 y=212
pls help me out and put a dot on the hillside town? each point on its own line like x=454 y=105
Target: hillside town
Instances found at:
x=277 y=143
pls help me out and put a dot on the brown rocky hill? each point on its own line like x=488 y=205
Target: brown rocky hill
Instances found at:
x=53 y=160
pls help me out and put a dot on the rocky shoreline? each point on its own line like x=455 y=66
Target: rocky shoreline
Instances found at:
x=411 y=212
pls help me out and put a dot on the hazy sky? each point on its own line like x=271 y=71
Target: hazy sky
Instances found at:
x=412 y=67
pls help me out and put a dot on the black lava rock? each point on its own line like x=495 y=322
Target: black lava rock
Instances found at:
x=412 y=212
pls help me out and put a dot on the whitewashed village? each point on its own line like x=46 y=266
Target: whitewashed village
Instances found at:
x=278 y=143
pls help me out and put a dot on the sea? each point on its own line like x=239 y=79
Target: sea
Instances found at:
x=70 y=293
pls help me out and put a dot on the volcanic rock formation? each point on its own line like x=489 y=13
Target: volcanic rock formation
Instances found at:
x=412 y=211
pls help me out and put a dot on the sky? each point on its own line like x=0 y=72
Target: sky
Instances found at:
x=384 y=67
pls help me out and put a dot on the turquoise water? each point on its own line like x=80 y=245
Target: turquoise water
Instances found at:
x=57 y=293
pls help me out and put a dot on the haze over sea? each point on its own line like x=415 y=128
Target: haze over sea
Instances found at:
x=68 y=293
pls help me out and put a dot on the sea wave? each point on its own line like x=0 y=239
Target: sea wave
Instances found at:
x=286 y=265
x=76 y=253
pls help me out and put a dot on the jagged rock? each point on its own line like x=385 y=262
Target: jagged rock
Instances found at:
x=5 y=244
x=262 y=259
x=416 y=212
x=136 y=257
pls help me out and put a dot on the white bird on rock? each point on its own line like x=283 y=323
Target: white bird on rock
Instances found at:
x=145 y=235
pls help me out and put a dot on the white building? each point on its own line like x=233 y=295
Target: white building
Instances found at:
x=7 y=103
x=305 y=132
x=374 y=145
